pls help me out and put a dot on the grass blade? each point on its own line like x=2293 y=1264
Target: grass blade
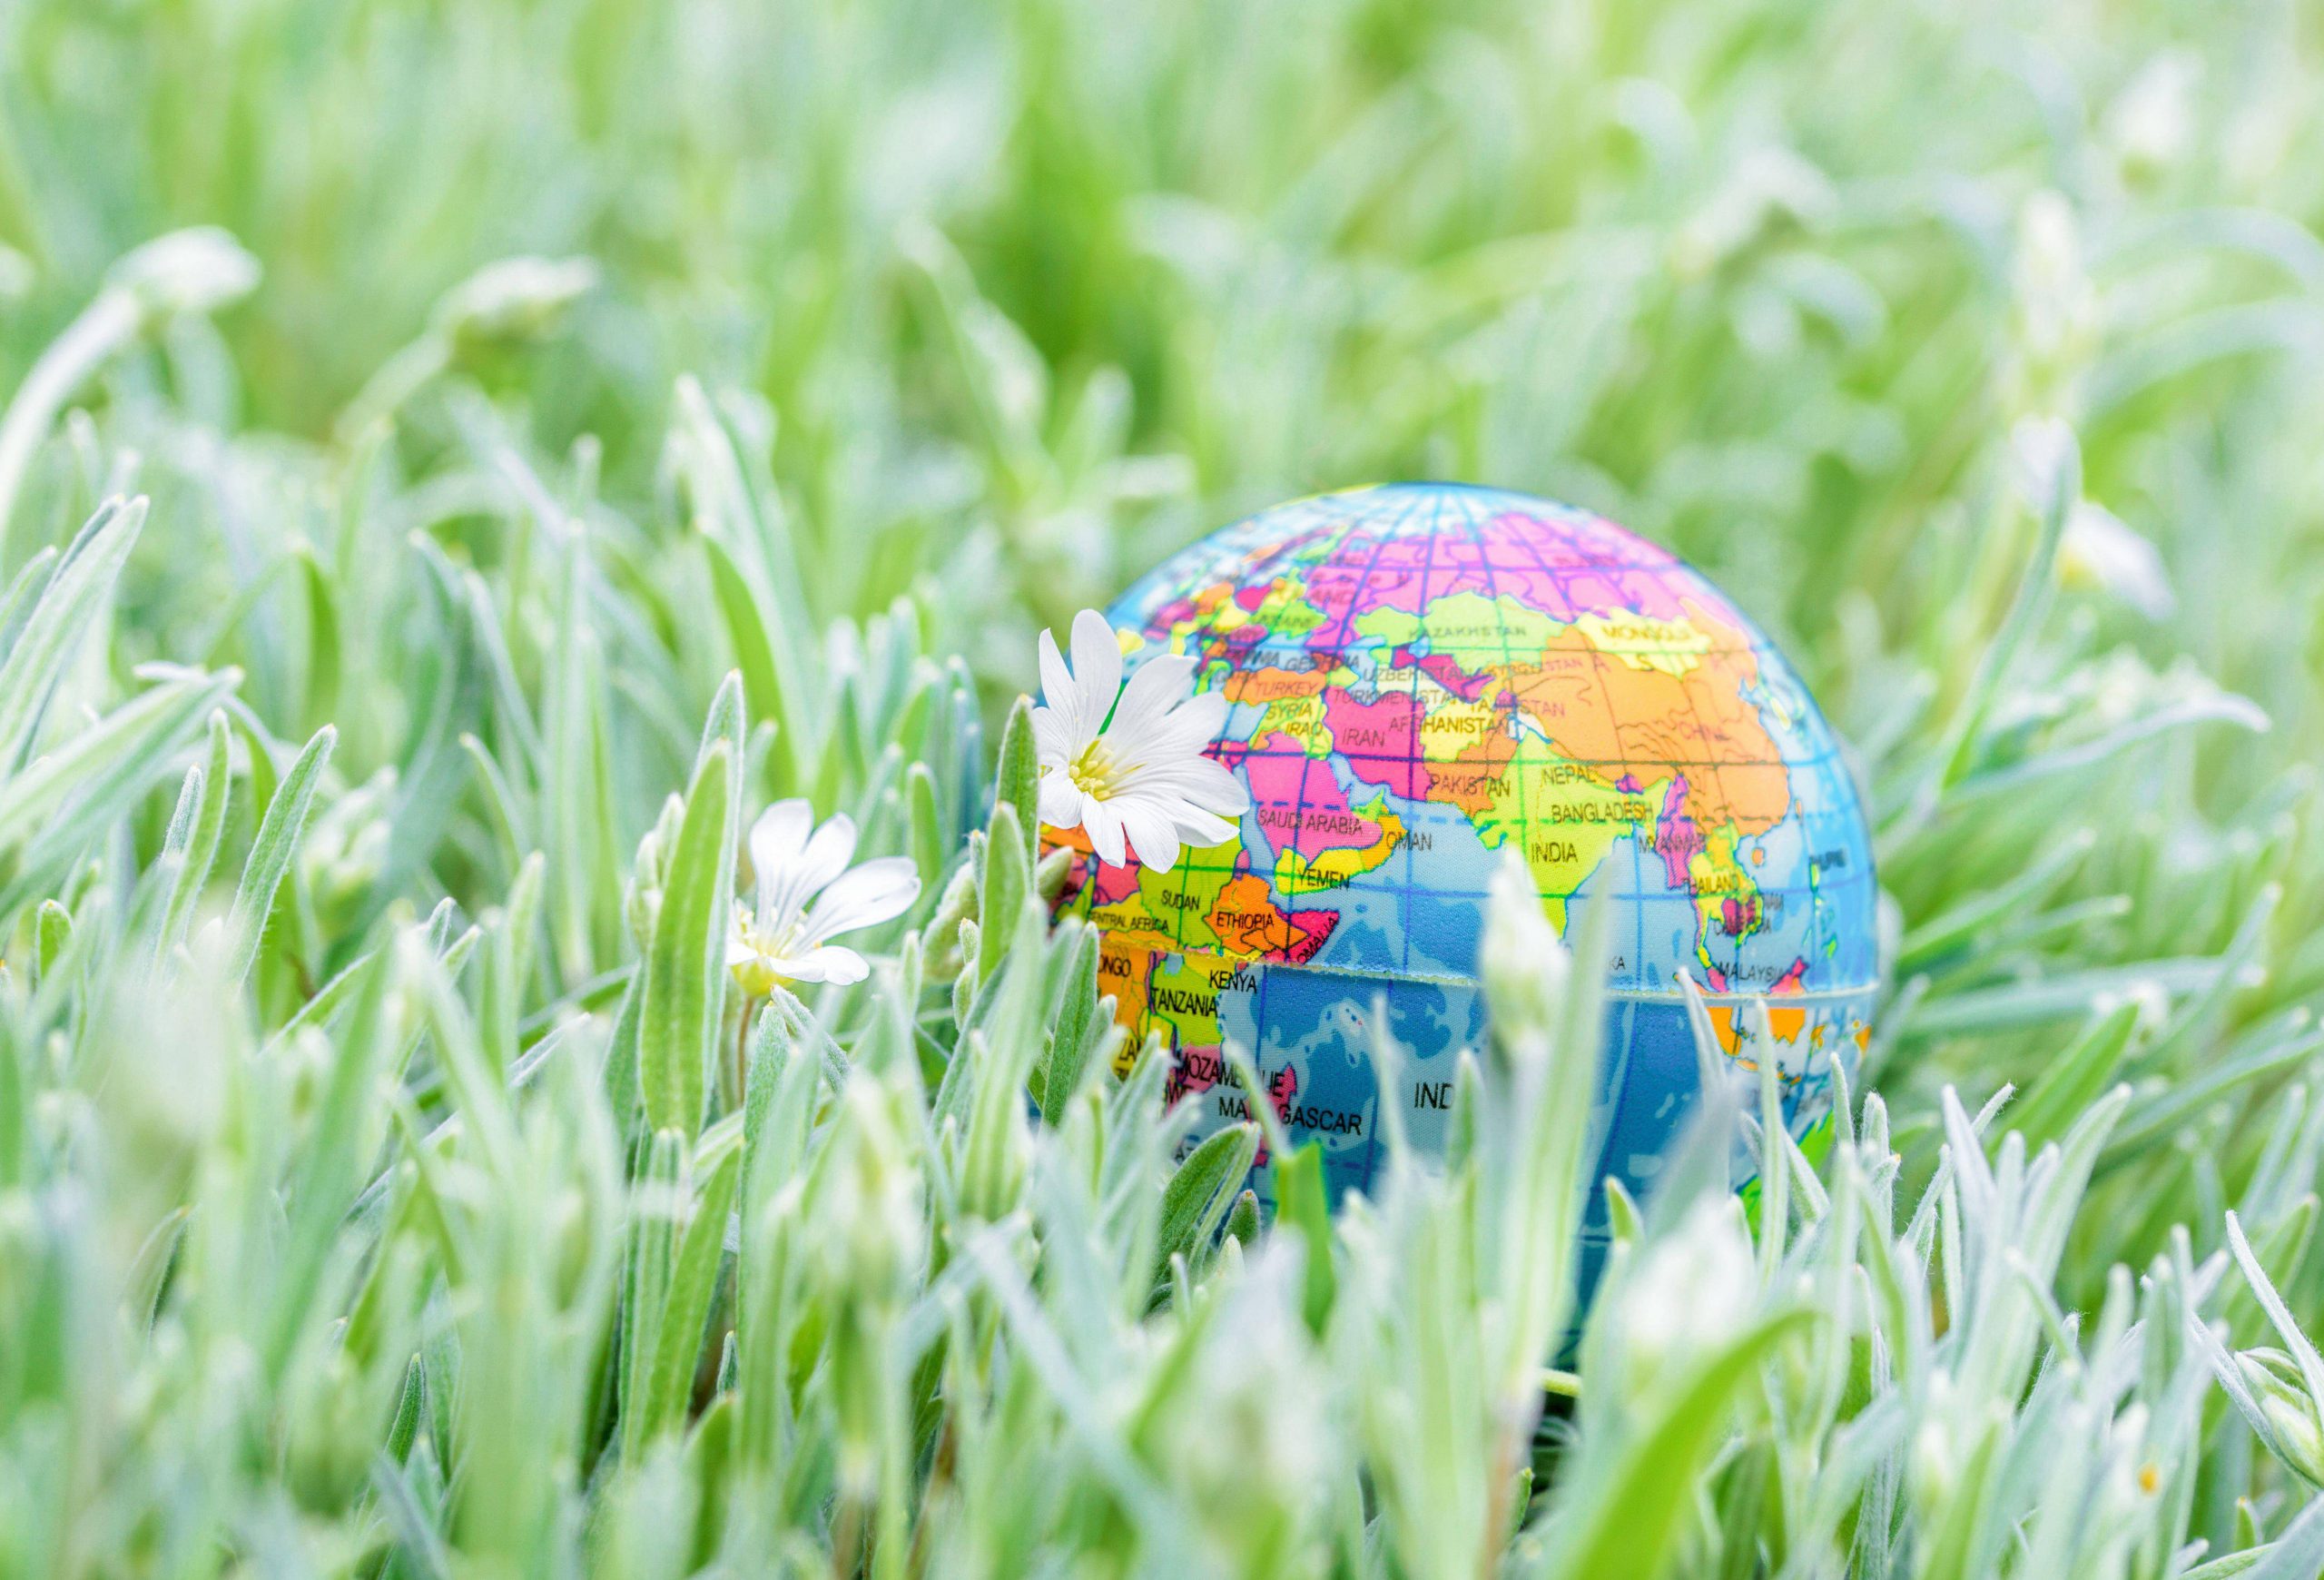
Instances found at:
x=68 y=606
x=271 y=852
x=680 y=1010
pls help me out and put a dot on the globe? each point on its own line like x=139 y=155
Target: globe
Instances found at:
x=1424 y=678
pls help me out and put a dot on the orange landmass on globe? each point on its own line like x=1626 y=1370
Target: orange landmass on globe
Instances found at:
x=1649 y=728
x=1250 y=925
x=1784 y=1024
x=1269 y=684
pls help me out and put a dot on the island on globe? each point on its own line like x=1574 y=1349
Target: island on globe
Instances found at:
x=1424 y=678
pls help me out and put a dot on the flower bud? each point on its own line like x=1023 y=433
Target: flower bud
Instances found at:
x=950 y=947
x=1523 y=963
x=641 y=903
x=1690 y=1289
x=345 y=848
x=1049 y=877
x=2284 y=1403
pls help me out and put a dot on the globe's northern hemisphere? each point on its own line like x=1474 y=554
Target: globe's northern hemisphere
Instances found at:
x=1424 y=678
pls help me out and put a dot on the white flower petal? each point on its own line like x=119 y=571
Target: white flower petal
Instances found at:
x=1060 y=800
x=1079 y=697
x=1061 y=700
x=1218 y=790
x=831 y=850
x=791 y=870
x=1102 y=822
x=1153 y=738
x=1057 y=683
x=865 y=896
x=1201 y=714
x=1097 y=659
x=825 y=858
x=1155 y=687
x=830 y=963
x=1148 y=827
x=1192 y=726
x=1200 y=828
x=1053 y=746
x=777 y=838
x=1207 y=783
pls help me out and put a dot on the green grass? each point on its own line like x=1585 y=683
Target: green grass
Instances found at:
x=368 y=764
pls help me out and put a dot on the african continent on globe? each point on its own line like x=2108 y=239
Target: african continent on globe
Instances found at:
x=1424 y=678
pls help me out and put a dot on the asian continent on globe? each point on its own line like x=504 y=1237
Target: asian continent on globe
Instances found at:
x=1424 y=678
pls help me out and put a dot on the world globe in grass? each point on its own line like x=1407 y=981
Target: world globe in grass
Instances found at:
x=1424 y=678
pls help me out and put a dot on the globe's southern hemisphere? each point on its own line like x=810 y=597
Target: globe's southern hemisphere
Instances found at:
x=1425 y=678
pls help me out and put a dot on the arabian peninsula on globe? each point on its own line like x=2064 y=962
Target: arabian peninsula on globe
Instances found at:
x=1423 y=678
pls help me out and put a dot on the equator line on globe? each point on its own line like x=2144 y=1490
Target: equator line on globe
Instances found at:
x=1424 y=678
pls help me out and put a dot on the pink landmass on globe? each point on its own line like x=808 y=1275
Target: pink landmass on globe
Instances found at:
x=1299 y=804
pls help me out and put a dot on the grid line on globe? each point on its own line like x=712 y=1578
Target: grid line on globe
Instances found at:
x=1421 y=677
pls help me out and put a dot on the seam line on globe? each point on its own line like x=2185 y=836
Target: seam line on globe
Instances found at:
x=1807 y=998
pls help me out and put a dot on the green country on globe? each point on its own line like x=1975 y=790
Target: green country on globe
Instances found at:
x=1424 y=678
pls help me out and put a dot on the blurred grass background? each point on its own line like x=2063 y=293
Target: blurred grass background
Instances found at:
x=1009 y=300
x=1074 y=282
x=1027 y=294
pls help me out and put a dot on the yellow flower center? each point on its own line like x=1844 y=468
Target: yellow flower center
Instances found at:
x=1095 y=771
x=756 y=980
x=756 y=977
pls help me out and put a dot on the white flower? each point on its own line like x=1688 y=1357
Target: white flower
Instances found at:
x=1124 y=763
x=779 y=939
